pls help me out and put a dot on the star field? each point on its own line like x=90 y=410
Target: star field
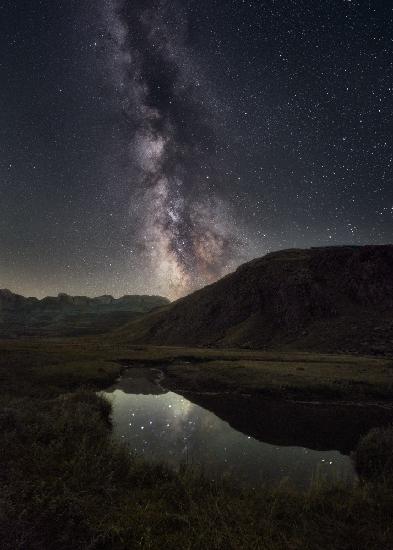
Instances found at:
x=153 y=146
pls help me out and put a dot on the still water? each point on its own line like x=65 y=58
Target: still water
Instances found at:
x=165 y=426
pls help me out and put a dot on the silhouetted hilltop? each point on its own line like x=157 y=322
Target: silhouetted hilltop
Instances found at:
x=333 y=298
x=70 y=315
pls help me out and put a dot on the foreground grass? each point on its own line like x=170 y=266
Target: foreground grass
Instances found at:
x=65 y=484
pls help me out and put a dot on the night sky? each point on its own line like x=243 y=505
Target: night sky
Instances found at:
x=152 y=146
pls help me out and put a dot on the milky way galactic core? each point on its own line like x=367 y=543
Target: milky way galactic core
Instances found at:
x=153 y=146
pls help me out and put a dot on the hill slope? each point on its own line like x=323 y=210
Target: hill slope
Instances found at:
x=333 y=298
x=69 y=315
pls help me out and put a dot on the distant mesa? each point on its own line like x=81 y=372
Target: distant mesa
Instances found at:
x=66 y=315
x=323 y=299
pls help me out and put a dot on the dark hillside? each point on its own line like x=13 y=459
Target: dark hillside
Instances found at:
x=322 y=298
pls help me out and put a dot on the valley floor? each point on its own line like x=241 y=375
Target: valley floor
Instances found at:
x=65 y=484
x=38 y=365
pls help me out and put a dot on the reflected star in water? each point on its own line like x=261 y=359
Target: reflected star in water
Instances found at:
x=175 y=431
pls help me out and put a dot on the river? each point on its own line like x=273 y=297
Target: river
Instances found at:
x=253 y=440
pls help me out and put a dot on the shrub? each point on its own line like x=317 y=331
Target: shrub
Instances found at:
x=373 y=457
x=98 y=403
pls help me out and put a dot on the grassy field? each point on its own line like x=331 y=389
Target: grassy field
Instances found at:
x=64 y=482
x=347 y=378
x=51 y=366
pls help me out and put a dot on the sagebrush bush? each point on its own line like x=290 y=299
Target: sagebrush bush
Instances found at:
x=373 y=457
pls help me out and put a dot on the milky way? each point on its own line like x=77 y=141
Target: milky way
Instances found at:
x=186 y=234
x=150 y=146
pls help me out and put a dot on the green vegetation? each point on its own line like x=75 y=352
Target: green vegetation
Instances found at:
x=53 y=366
x=290 y=376
x=46 y=368
x=64 y=482
x=373 y=457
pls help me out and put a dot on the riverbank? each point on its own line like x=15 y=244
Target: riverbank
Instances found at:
x=290 y=376
x=64 y=364
x=65 y=483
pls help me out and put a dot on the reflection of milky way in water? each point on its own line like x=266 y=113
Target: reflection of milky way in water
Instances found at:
x=170 y=428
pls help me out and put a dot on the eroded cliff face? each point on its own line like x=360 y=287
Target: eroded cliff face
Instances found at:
x=334 y=298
